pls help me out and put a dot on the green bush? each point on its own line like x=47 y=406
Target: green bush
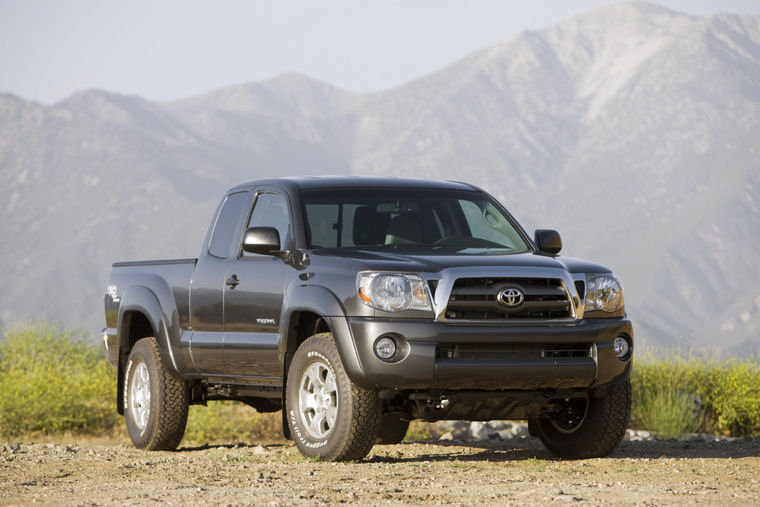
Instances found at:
x=734 y=397
x=231 y=421
x=676 y=395
x=52 y=381
x=421 y=430
x=670 y=413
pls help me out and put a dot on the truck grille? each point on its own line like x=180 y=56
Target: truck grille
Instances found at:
x=489 y=352
x=477 y=299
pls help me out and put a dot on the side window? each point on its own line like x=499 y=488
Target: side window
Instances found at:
x=271 y=210
x=224 y=228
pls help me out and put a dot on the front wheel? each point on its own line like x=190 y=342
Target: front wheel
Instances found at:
x=155 y=400
x=329 y=417
x=587 y=428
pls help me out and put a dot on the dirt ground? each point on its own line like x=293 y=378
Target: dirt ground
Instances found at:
x=517 y=471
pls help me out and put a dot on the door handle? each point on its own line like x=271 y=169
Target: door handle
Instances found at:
x=232 y=281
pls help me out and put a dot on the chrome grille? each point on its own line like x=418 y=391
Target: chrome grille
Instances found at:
x=476 y=299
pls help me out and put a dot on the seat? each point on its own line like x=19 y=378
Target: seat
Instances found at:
x=405 y=230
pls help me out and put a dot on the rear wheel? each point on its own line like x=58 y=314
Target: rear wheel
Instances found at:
x=391 y=429
x=587 y=428
x=155 y=400
x=329 y=417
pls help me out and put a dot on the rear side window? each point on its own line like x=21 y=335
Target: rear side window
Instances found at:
x=226 y=222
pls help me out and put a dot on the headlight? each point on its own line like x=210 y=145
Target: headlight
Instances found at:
x=603 y=292
x=393 y=292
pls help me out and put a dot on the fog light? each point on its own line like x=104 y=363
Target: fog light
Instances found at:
x=622 y=347
x=385 y=348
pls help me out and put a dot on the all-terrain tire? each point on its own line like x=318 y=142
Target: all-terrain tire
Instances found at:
x=598 y=433
x=155 y=399
x=329 y=417
x=391 y=429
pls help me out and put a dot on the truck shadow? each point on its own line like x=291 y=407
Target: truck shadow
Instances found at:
x=531 y=449
x=267 y=445
x=522 y=449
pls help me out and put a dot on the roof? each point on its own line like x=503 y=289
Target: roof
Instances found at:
x=319 y=182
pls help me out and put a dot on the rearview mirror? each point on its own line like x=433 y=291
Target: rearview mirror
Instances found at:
x=261 y=240
x=548 y=240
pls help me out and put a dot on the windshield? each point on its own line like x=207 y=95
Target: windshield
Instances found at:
x=408 y=219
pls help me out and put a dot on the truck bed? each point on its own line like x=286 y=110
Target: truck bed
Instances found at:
x=170 y=278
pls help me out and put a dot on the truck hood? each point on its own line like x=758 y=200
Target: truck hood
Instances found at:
x=432 y=263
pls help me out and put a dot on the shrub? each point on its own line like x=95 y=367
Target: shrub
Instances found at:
x=52 y=381
x=231 y=421
x=670 y=413
x=734 y=396
x=677 y=394
x=420 y=430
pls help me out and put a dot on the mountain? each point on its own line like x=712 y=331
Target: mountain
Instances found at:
x=632 y=129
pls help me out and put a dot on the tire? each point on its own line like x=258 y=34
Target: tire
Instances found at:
x=329 y=417
x=590 y=428
x=532 y=427
x=391 y=429
x=155 y=400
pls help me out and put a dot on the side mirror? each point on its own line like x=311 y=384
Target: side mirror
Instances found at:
x=548 y=240
x=261 y=240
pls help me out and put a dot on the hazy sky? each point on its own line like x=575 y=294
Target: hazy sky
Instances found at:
x=170 y=49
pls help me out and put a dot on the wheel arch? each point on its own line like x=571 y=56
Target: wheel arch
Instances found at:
x=308 y=310
x=140 y=316
x=311 y=309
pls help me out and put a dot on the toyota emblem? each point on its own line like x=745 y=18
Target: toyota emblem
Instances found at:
x=510 y=297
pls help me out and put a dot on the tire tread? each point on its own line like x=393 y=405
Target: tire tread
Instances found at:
x=614 y=410
x=359 y=436
x=173 y=403
x=615 y=416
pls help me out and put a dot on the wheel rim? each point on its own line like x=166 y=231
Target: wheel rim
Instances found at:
x=318 y=399
x=139 y=396
x=571 y=417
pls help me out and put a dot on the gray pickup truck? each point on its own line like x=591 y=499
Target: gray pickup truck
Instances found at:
x=356 y=305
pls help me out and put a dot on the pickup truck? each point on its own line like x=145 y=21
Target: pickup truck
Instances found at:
x=358 y=304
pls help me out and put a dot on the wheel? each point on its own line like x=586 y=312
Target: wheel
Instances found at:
x=155 y=400
x=329 y=417
x=391 y=429
x=532 y=430
x=587 y=428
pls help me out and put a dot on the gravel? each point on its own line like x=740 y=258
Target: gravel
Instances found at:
x=509 y=468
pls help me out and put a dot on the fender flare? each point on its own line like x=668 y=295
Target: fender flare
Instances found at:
x=323 y=302
x=143 y=300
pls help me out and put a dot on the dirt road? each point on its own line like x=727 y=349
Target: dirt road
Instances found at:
x=514 y=471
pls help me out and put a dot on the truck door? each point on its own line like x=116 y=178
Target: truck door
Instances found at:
x=253 y=294
x=206 y=300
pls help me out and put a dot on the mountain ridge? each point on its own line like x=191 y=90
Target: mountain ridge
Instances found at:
x=631 y=128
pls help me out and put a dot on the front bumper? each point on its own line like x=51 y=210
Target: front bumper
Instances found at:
x=422 y=366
